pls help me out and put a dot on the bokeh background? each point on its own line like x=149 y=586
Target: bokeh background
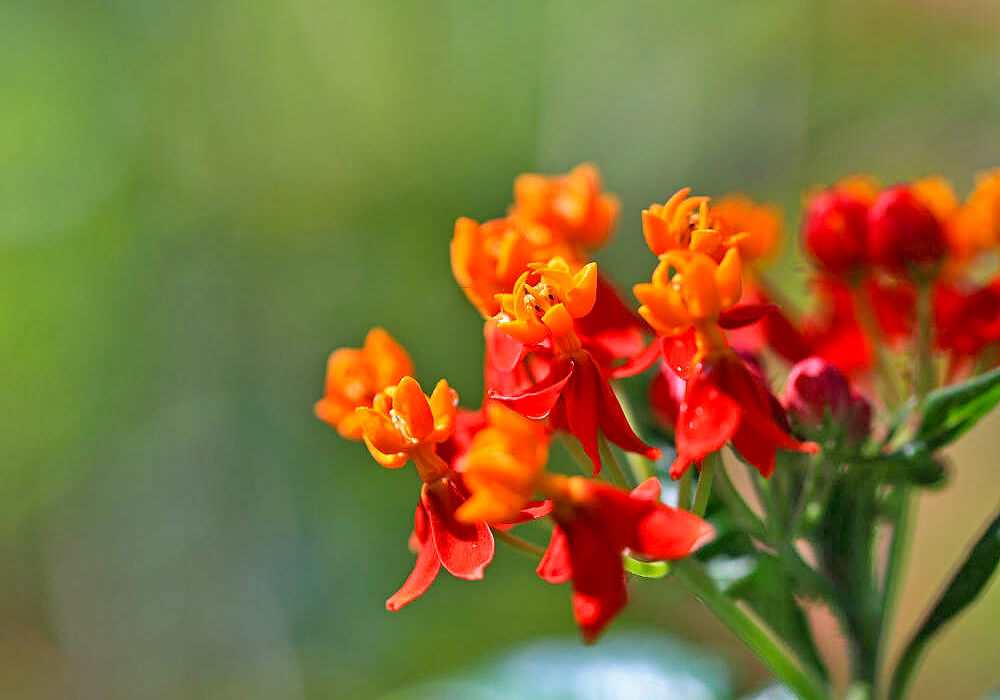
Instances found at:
x=200 y=200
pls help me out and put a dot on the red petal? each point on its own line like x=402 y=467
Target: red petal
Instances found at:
x=532 y=511
x=744 y=315
x=541 y=399
x=502 y=352
x=649 y=490
x=615 y=425
x=423 y=575
x=670 y=533
x=639 y=363
x=582 y=409
x=678 y=353
x=464 y=550
x=599 y=590
x=707 y=420
x=555 y=565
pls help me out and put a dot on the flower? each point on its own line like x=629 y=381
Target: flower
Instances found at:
x=684 y=223
x=595 y=524
x=759 y=224
x=572 y=205
x=976 y=226
x=904 y=235
x=967 y=317
x=818 y=397
x=574 y=393
x=487 y=258
x=726 y=400
x=355 y=376
x=835 y=231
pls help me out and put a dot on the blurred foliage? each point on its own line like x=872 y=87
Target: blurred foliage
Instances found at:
x=199 y=200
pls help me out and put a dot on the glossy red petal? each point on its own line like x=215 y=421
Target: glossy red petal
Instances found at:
x=669 y=533
x=615 y=425
x=424 y=572
x=538 y=402
x=599 y=590
x=532 y=511
x=582 y=409
x=502 y=351
x=464 y=550
x=555 y=565
x=678 y=352
x=640 y=362
x=708 y=418
x=649 y=490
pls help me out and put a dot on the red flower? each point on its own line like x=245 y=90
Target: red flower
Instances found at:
x=904 y=236
x=725 y=400
x=835 y=230
x=595 y=524
x=967 y=319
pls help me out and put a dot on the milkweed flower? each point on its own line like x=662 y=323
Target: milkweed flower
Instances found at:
x=904 y=235
x=575 y=395
x=689 y=295
x=355 y=376
x=819 y=398
x=595 y=523
x=573 y=205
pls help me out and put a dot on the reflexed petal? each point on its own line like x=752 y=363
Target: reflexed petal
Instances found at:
x=583 y=408
x=538 y=402
x=640 y=362
x=555 y=564
x=503 y=352
x=599 y=590
x=670 y=533
x=464 y=550
x=424 y=572
x=649 y=490
x=615 y=425
x=744 y=315
x=707 y=420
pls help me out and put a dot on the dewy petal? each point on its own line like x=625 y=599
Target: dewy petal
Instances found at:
x=411 y=405
x=708 y=418
x=464 y=550
x=424 y=572
x=380 y=432
x=555 y=564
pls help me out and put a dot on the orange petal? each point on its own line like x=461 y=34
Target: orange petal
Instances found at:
x=379 y=432
x=700 y=291
x=729 y=278
x=410 y=404
x=444 y=406
x=581 y=297
x=524 y=332
x=390 y=461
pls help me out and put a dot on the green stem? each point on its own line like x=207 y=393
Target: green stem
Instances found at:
x=684 y=489
x=705 y=483
x=787 y=671
x=923 y=375
x=868 y=322
x=611 y=463
x=738 y=507
x=516 y=543
x=576 y=451
x=898 y=554
x=641 y=467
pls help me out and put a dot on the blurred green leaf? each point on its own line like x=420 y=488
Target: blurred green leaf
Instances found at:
x=963 y=589
x=951 y=411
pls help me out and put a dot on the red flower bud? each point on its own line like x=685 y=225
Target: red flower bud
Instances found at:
x=903 y=233
x=835 y=230
x=816 y=388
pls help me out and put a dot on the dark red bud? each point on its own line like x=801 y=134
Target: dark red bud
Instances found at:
x=815 y=389
x=903 y=234
x=835 y=231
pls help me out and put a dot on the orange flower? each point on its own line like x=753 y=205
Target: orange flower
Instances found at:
x=690 y=290
x=546 y=299
x=487 y=258
x=687 y=223
x=736 y=213
x=403 y=423
x=976 y=227
x=355 y=376
x=503 y=466
x=572 y=205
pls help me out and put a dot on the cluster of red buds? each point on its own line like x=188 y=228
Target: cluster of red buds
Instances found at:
x=894 y=266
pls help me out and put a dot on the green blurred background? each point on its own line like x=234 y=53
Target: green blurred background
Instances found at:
x=200 y=200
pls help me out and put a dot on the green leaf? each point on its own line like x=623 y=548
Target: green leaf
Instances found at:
x=964 y=587
x=949 y=412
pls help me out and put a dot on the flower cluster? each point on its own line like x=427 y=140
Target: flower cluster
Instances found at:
x=561 y=339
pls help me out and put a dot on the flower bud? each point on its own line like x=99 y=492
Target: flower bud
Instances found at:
x=815 y=391
x=903 y=234
x=835 y=230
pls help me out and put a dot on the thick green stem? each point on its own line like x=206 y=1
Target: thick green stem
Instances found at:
x=785 y=669
x=898 y=554
x=705 y=483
